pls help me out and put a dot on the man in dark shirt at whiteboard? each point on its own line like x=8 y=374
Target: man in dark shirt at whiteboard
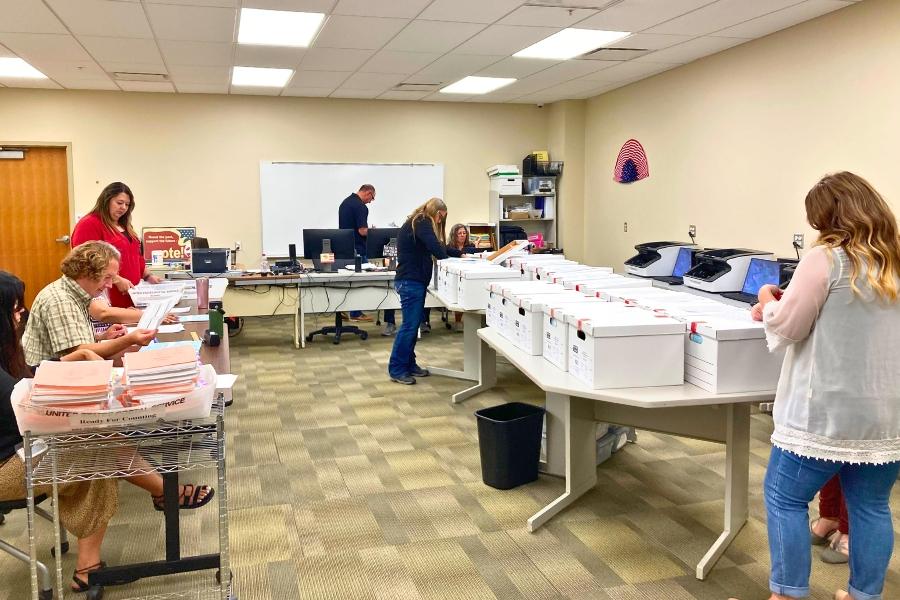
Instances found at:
x=354 y=214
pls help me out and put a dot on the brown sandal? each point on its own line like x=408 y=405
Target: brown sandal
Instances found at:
x=81 y=585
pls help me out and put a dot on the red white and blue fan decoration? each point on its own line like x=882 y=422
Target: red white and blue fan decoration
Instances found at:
x=631 y=165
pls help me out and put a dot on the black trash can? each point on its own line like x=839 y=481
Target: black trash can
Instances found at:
x=509 y=440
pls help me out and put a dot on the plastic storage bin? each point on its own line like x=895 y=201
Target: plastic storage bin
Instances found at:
x=509 y=441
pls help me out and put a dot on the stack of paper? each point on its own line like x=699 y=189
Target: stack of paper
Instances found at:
x=156 y=311
x=72 y=384
x=144 y=292
x=162 y=375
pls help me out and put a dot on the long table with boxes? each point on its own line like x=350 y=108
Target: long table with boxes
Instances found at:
x=610 y=348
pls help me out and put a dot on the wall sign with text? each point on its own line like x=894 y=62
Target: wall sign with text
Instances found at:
x=174 y=242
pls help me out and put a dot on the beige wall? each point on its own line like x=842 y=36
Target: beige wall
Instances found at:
x=566 y=135
x=194 y=159
x=735 y=140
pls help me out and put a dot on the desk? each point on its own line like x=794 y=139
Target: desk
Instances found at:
x=683 y=410
x=175 y=446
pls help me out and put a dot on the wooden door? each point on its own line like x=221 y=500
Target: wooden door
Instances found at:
x=34 y=213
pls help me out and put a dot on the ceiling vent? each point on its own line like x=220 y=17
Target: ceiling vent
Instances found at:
x=128 y=76
x=573 y=5
x=416 y=87
x=614 y=54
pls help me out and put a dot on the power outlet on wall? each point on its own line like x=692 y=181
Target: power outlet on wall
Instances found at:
x=798 y=240
x=692 y=230
x=625 y=227
x=237 y=245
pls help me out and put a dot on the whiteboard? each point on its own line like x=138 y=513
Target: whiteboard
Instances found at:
x=305 y=195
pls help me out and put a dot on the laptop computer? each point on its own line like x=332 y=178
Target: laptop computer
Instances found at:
x=209 y=261
x=760 y=272
x=683 y=262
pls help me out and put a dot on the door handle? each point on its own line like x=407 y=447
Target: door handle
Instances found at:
x=63 y=239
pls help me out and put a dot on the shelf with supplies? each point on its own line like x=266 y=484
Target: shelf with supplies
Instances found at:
x=483 y=235
x=535 y=196
x=525 y=220
x=538 y=195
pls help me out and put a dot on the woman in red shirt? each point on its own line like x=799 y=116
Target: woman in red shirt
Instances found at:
x=110 y=221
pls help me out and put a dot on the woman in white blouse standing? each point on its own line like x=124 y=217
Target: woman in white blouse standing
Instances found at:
x=837 y=408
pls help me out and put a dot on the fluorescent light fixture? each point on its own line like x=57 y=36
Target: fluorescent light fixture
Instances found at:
x=278 y=27
x=570 y=43
x=260 y=77
x=18 y=68
x=477 y=85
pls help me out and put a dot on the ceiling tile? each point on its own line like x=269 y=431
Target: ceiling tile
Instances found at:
x=390 y=61
x=201 y=88
x=504 y=39
x=268 y=56
x=320 y=6
x=406 y=9
x=28 y=16
x=204 y=54
x=628 y=71
x=6 y=52
x=46 y=84
x=318 y=79
x=130 y=67
x=452 y=67
x=637 y=15
x=651 y=41
x=691 y=50
x=206 y=75
x=547 y=16
x=782 y=19
x=439 y=97
x=401 y=95
x=368 y=33
x=469 y=11
x=69 y=70
x=351 y=93
x=103 y=17
x=193 y=23
x=146 y=86
x=308 y=92
x=44 y=46
x=255 y=91
x=572 y=69
x=513 y=66
x=220 y=3
x=334 y=59
x=433 y=36
x=88 y=84
x=719 y=15
x=372 y=81
x=114 y=49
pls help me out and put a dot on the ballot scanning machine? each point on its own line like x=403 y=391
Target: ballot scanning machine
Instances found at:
x=723 y=269
x=654 y=258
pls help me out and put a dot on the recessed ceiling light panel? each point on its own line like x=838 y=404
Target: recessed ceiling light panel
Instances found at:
x=19 y=69
x=570 y=43
x=278 y=27
x=260 y=77
x=477 y=85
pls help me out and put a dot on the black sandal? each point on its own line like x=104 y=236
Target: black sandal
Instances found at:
x=189 y=498
x=82 y=586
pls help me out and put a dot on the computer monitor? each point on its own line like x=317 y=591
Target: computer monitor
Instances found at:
x=761 y=272
x=683 y=262
x=378 y=239
x=342 y=243
x=199 y=242
x=209 y=261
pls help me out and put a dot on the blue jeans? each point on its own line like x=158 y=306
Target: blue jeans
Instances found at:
x=791 y=483
x=412 y=305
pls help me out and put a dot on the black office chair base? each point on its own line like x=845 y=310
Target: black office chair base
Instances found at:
x=338 y=330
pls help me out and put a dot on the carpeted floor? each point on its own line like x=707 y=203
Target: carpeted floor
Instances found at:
x=343 y=485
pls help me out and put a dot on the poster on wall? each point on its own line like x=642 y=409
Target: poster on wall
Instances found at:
x=631 y=164
x=173 y=242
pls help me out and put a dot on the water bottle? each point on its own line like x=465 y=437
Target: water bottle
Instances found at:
x=264 y=264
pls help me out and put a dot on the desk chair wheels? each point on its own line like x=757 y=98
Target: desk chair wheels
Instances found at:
x=45 y=595
x=64 y=547
x=338 y=330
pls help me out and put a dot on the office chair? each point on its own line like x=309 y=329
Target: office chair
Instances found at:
x=338 y=330
x=6 y=507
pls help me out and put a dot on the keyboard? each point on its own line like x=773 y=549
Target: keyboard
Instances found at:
x=671 y=280
x=741 y=297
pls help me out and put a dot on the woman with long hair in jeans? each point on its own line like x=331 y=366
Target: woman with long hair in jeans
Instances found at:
x=837 y=407
x=419 y=243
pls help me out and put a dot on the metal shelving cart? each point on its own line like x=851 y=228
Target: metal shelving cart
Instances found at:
x=165 y=447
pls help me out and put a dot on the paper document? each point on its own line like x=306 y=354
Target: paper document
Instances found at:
x=365 y=267
x=195 y=344
x=156 y=311
x=180 y=310
x=194 y=318
x=225 y=381
x=170 y=328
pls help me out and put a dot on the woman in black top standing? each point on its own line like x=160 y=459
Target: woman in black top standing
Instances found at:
x=419 y=244
x=85 y=507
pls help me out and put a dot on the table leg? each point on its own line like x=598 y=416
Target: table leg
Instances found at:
x=580 y=452
x=472 y=322
x=302 y=316
x=556 y=406
x=487 y=372
x=737 y=477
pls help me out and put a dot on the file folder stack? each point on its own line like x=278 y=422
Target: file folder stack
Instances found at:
x=156 y=376
x=81 y=385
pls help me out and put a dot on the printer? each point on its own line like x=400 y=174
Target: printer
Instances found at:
x=723 y=269
x=654 y=258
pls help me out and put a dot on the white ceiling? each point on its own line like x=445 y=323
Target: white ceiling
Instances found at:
x=367 y=47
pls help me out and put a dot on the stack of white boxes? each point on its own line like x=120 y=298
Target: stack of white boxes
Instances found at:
x=528 y=267
x=525 y=315
x=497 y=313
x=548 y=272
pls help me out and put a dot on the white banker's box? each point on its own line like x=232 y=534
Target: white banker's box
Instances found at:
x=548 y=272
x=472 y=291
x=448 y=275
x=520 y=260
x=568 y=279
x=529 y=268
x=601 y=288
x=496 y=312
x=612 y=346
x=525 y=316
x=555 y=330
x=725 y=355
